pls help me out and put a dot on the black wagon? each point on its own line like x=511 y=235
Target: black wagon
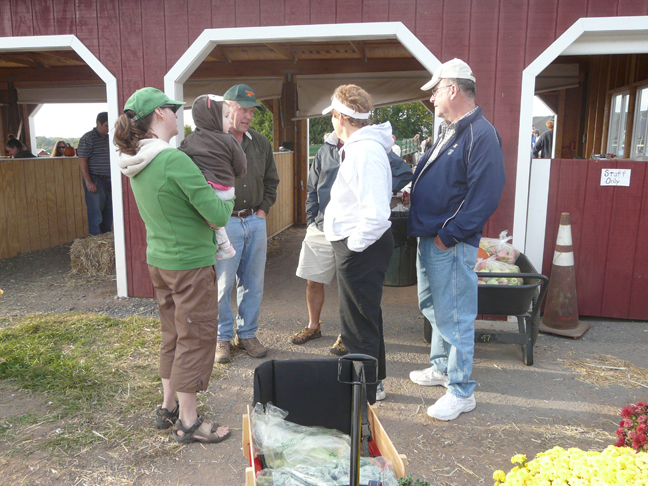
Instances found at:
x=522 y=301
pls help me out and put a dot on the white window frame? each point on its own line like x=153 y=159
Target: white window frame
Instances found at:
x=635 y=131
x=621 y=129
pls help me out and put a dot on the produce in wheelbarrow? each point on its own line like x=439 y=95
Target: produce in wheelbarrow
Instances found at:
x=500 y=248
x=491 y=265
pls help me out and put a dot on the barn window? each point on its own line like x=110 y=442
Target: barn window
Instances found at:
x=618 y=120
x=638 y=147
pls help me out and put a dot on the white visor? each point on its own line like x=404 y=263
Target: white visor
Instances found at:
x=345 y=110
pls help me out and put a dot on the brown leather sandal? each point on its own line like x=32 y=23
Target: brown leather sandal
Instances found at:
x=305 y=335
x=194 y=434
x=165 y=419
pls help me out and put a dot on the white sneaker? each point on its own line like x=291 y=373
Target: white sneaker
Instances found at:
x=381 y=394
x=449 y=406
x=429 y=377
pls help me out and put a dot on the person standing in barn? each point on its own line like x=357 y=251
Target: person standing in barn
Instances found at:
x=543 y=147
x=94 y=162
x=456 y=188
x=356 y=222
x=255 y=192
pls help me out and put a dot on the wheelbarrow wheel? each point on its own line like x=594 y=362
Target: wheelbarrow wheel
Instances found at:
x=427 y=330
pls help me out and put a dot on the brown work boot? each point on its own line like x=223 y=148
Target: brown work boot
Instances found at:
x=251 y=346
x=339 y=349
x=306 y=334
x=223 y=352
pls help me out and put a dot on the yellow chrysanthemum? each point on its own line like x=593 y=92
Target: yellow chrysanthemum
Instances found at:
x=615 y=466
x=519 y=459
x=499 y=476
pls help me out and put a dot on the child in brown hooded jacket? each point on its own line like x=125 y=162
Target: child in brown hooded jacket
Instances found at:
x=217 y=154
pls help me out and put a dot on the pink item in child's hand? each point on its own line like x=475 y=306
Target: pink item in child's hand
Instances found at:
x=220 y=187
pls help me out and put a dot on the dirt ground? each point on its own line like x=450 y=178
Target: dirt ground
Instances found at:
x=520 y=409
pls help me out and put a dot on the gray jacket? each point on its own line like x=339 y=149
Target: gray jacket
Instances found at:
x=323 y=172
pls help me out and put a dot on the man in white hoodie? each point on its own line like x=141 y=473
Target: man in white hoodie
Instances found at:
x=356 y=221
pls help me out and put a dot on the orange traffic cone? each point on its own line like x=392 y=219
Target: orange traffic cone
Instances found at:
x=561 y=310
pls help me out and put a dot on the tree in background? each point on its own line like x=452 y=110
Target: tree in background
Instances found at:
x=262 y=122
x=406 y=119
x=318 y=127
x=47 y=143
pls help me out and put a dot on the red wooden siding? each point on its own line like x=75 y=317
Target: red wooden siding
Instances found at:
x=140 y=40
x=223 y=13
x=610 y=235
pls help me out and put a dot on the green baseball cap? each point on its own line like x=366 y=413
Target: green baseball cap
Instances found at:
x=144 y=102
x=242 y=94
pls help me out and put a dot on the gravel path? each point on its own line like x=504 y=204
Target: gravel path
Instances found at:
x=520 y=409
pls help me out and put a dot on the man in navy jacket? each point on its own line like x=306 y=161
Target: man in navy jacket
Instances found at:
x=456 y=188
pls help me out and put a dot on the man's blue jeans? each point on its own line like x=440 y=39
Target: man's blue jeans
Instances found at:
x=99 y=206
x=247 y=268
x=447 y=288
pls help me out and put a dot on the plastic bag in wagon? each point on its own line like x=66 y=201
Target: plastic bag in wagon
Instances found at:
x=491 y=265
x=286 y=444
x=500 y=248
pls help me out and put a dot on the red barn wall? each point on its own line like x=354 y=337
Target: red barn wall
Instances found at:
x=140 y=40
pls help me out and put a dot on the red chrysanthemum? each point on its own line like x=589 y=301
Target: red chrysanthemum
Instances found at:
x=627 y=412
x=642 y=419
x=638 y=441
x=627 y=424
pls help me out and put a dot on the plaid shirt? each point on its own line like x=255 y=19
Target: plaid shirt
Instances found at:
x=446 y=132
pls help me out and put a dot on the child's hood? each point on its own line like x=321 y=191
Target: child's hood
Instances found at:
x=207 y=113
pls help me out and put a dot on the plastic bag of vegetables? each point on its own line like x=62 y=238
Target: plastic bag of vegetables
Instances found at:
x=491 y=265
x=285 y=443
x=500 y=248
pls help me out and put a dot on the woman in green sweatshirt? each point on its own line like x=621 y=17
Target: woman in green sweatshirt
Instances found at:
x=175 y=203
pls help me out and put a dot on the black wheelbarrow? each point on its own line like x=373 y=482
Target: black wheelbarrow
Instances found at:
x=522 y=301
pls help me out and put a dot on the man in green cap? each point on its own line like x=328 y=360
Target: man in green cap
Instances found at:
x=255 y=193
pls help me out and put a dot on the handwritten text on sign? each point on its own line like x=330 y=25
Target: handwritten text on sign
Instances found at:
x=615 y=177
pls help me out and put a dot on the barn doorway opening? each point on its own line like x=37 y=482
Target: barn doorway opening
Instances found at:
x=37 y=70
x=594 y=77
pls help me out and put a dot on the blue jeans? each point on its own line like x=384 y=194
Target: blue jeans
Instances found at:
x=249 y=238
x=447 y=291
x=99 y=206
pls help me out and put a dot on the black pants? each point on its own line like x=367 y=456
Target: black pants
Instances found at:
x=360 y=277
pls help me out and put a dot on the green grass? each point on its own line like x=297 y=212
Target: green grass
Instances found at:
x=100 y=375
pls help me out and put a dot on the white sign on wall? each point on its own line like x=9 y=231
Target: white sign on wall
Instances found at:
x=615 y=177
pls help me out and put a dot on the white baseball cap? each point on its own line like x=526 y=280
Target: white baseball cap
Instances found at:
x=455 y=69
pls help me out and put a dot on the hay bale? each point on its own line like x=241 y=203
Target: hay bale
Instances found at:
x=94 y=255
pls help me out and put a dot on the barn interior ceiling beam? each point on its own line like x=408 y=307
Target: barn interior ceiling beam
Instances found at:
x=39 y=76
x=284 y=52
x=359 y=48
x=209 y=70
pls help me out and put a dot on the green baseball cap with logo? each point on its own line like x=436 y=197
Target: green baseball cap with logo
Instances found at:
x=242 y=94
x=144 y=102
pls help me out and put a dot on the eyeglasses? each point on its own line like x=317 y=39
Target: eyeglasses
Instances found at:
x=60 y=147
x=435 y=91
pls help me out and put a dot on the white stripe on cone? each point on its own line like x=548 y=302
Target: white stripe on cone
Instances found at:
x=564 y=258
x=564 y=235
